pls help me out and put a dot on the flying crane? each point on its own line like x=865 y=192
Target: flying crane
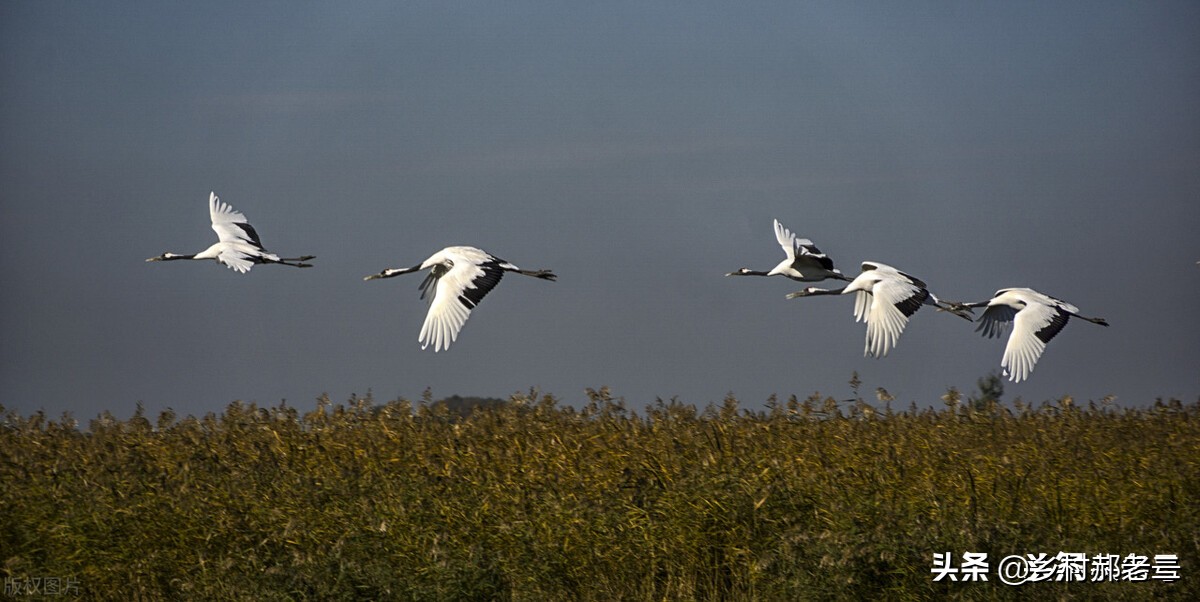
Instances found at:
x=803 y=261
x=460 y=278
x=886 y=298
x=1035 y=317
x=238 y=245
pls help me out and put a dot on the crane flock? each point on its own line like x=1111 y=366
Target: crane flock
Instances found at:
x=885 y=297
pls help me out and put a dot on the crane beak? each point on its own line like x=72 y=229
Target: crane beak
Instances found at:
x=155 y=258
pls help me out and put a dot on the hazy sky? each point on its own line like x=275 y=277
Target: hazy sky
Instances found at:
x=640 y=150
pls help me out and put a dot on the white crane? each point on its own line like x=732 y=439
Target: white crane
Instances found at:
x=804 y=261
x=239 y=246
x=886 y=299
x=462 y=277
x=1035 y=317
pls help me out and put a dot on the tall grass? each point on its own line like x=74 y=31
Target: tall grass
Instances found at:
x=534 y=500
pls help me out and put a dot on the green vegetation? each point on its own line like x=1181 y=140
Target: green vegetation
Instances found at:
x=534 y=500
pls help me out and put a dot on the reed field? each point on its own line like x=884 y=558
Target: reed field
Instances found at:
x=537 y=499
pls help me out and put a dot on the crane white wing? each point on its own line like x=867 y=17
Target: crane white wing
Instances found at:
x=893 y=301
x=803 y=261
x=237 y=255
x=230 y=225
x=787 y=240
x=1033 y=327
x=458 y=291
x=443 y=322
x=235 y=259
x=862 y=303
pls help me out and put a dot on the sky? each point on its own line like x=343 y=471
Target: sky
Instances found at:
x=640 y=150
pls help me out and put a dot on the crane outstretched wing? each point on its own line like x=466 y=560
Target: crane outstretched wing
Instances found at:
x=802 y=254
x=1033 y=327
x=892 y=302
x=787 y=240
x=230 y=225
x=995 y=320
x=235 y=259
x=458 y=291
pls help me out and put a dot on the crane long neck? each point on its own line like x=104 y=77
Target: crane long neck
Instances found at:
x=827 y=291
x=393 y=272
x=813 y=291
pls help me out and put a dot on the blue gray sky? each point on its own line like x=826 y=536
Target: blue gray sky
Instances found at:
x=639 y=149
